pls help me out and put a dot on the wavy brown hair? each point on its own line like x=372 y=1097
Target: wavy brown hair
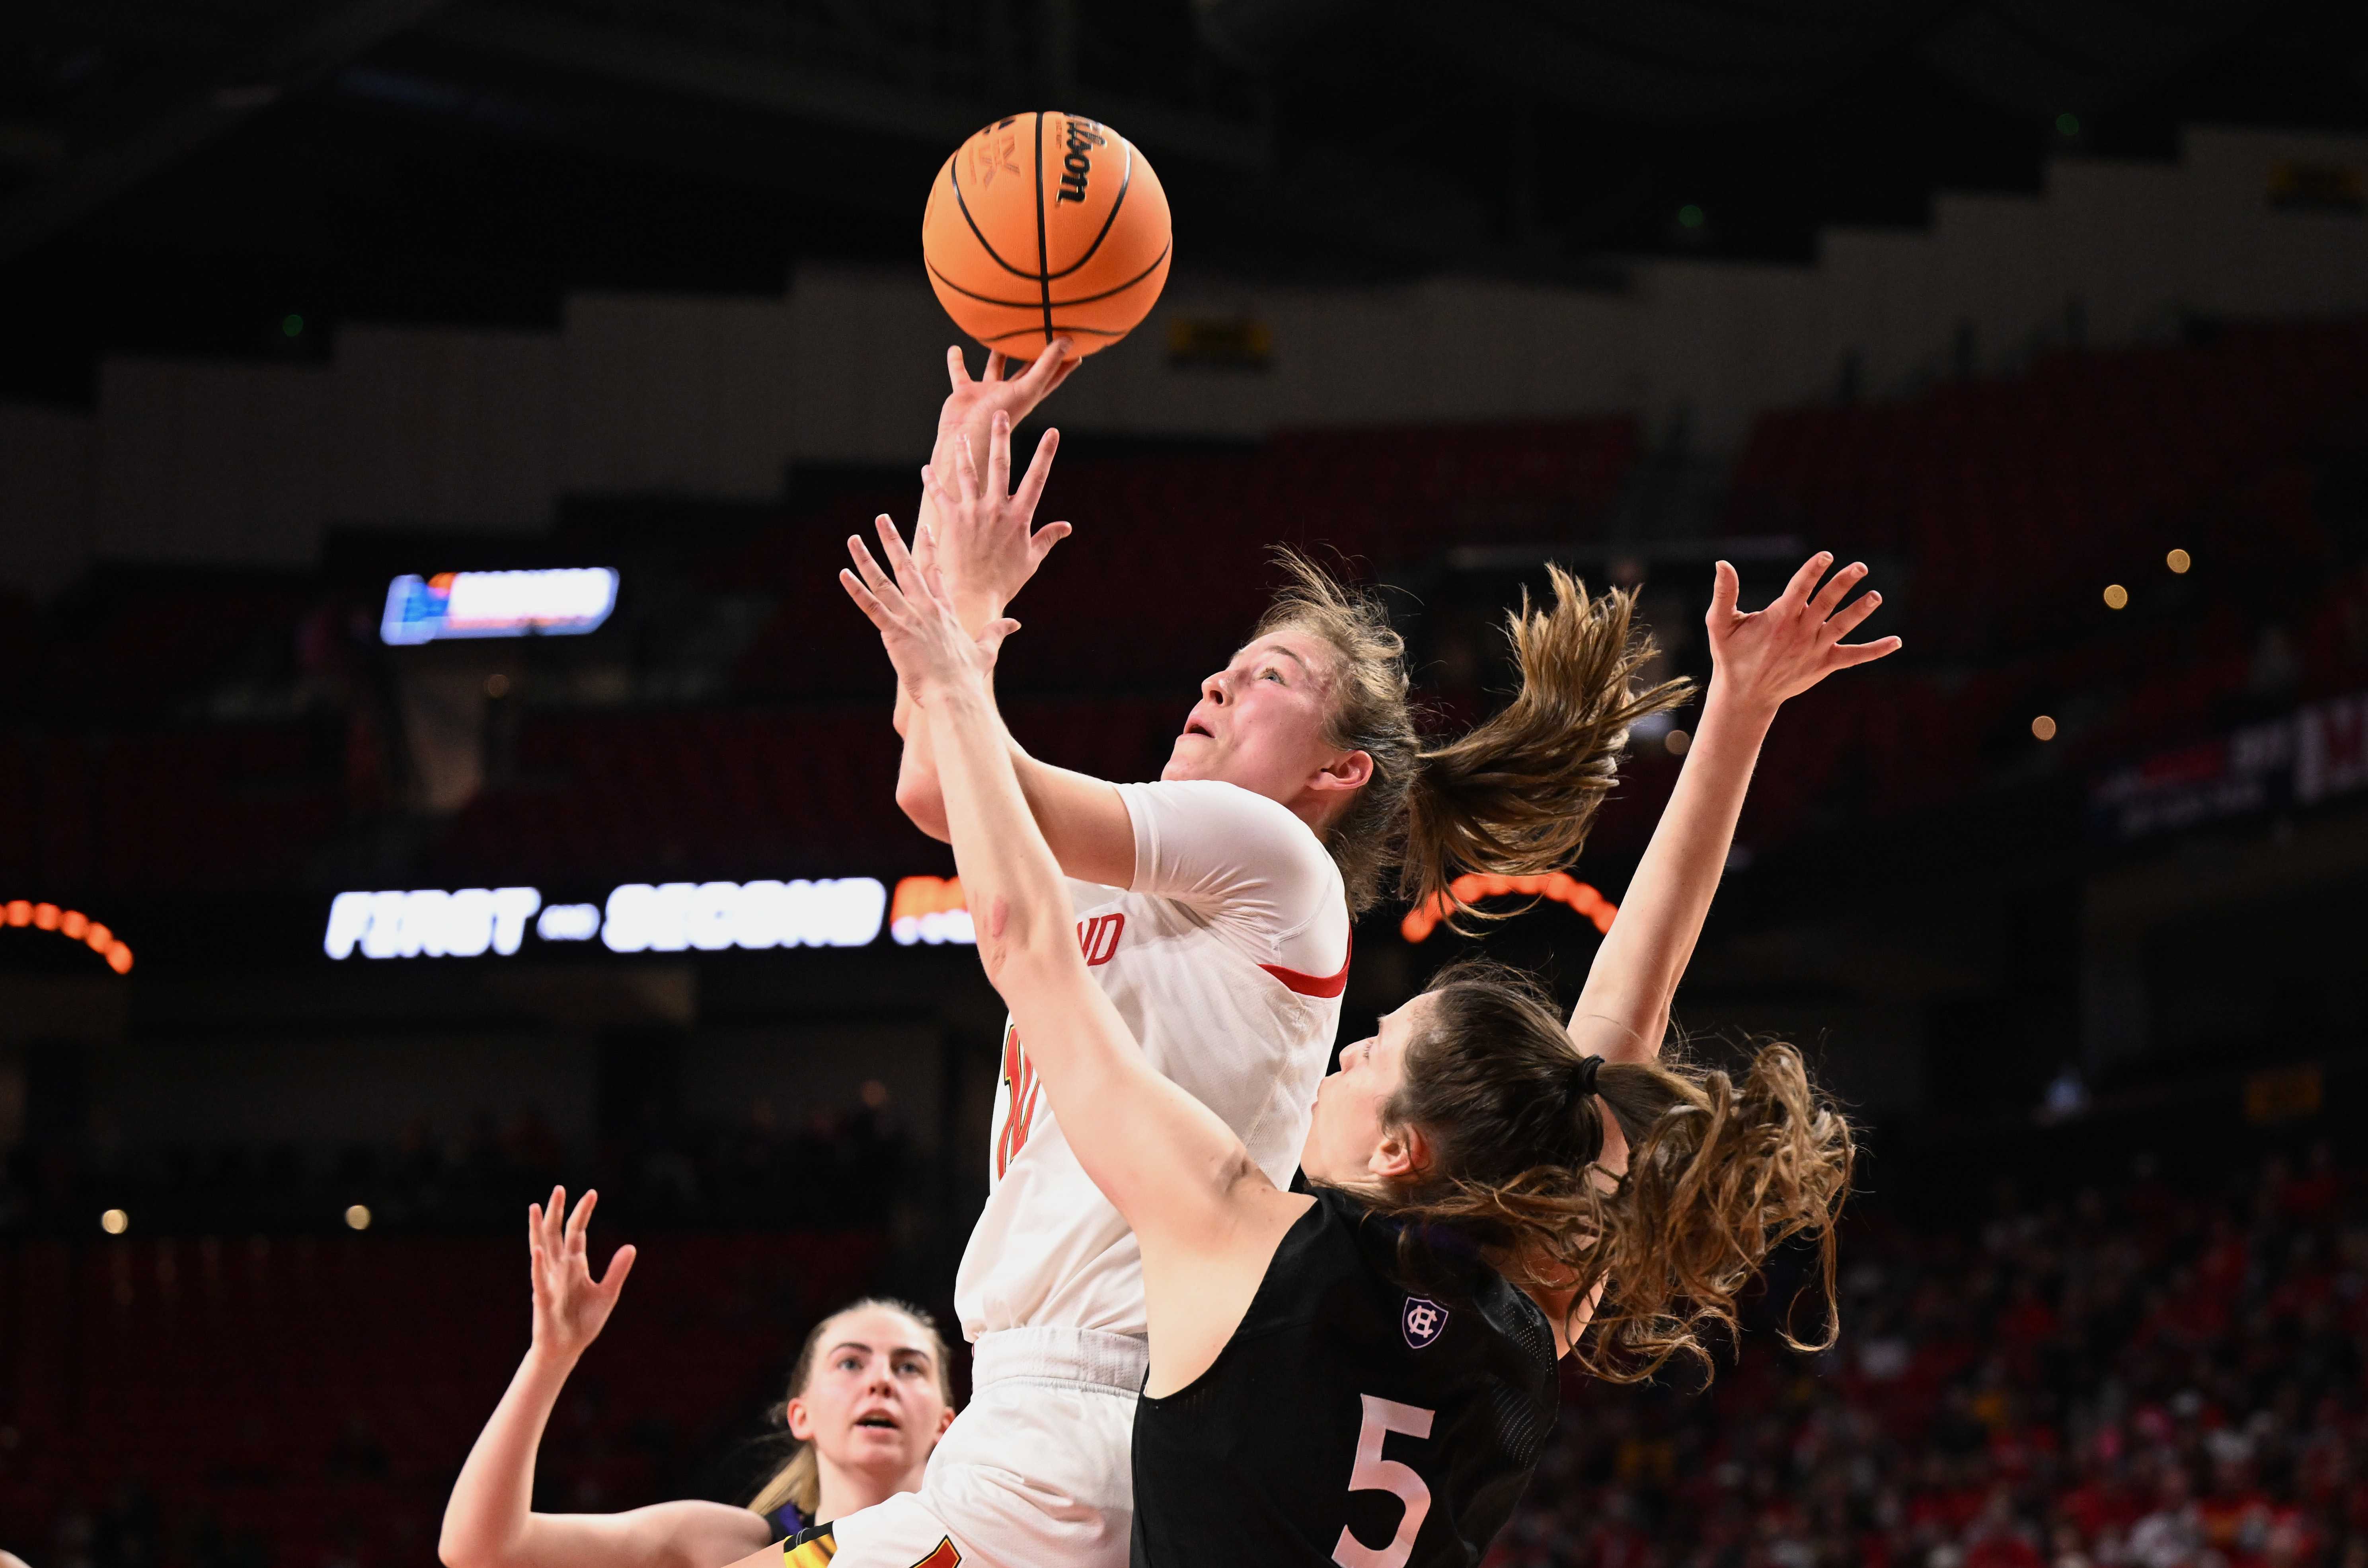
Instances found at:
x=1721 y=1170
x=1516 y=794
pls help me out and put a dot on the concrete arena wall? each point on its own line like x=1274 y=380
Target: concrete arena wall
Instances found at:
x=410 y=427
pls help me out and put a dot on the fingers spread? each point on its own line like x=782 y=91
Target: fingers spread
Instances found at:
x=1853 y=614
x=956 y=372
x=998 y=457
x=582 y=1216
x=869 y=569
x=1040 y=469
x=1830 y=597
x=899 y=560
x=1047 y=372
x=621 y=1263
x=1041 y=541
x=995 y=365
x=865 y=599
x=1850 y=653
x=1796 y=592
x=966 y=470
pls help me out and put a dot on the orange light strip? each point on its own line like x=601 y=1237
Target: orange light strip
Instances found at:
x=72 y=924
x=1472 y=887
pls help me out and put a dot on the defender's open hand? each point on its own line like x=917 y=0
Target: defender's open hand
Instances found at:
x=1770 y=655
x=980 y=538
x=924 y=638
x=570 y=1306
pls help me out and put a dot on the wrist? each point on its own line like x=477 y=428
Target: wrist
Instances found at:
x=977 y=609
x=551 y=1361
x=1737 y=705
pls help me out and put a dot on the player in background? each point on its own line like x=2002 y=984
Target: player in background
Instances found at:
x=1213 y=908
x=1477 y=1176
x=869 y=1398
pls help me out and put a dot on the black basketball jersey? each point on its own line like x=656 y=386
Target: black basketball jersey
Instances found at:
x=1350 y=1420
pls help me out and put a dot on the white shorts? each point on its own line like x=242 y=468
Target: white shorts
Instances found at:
x=1035 y=1473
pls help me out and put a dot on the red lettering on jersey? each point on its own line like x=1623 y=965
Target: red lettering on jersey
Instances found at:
x=1019 y=1112
x=1098 y=938
x=945 y=1556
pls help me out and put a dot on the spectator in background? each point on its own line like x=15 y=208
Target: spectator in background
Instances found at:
x=2134 y=1376
x=869 y=1397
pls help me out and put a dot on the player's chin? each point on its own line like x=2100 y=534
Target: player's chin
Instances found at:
x=877 y=1441
x=1188 y=759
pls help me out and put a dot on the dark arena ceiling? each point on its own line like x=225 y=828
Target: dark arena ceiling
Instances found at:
x=186 y=174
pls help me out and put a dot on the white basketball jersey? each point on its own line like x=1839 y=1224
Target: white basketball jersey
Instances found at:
x=1226 y=960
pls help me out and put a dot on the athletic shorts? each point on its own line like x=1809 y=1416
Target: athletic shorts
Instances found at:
x=1035 y=1473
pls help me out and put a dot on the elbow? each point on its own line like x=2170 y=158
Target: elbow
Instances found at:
x=923 y=804
x=456 y=1549
x=1022 y=963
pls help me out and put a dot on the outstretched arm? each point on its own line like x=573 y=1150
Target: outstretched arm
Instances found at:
x=490 y=1521
x=1176 y=1171
x=977 y=534
x=1756 y=662
x=985 y=525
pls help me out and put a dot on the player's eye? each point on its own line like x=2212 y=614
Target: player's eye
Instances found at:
x=850 y=1364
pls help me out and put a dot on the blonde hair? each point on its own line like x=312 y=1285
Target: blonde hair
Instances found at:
x=799 y=1480
x=1514 y=795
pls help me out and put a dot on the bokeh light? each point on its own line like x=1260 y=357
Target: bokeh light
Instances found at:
x=115 y=1221
x=2043 y=728
x=1678 y=743
x=2116 y=597
x=2178 y=561
x=357 y=1217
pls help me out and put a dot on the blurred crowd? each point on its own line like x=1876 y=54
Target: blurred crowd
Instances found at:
x=834 y=1168
x=2139 y=1377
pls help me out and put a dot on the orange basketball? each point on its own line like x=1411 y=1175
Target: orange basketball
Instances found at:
x=1045 y=225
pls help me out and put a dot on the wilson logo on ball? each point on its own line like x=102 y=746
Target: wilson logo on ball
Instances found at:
x=1077 y=164
x=1046 y=225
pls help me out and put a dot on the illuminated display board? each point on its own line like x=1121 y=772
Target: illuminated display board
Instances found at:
x=638 y=917
x=559 y=602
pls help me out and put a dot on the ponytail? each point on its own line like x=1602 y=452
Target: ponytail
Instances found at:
x=1720 y=1171
x=1516 y=795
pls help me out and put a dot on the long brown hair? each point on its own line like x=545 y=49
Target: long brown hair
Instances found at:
x=1515 y=795
x=1721 y=1170
x=798 y=1481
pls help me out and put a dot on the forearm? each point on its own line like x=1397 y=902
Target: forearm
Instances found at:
x=1624 y=1008
x=487 y=1520
x=1019 y=902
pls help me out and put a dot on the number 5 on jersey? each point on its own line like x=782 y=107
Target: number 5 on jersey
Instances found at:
x=1371 y=1472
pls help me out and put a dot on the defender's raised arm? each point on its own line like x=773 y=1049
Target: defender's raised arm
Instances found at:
x=1757 y=661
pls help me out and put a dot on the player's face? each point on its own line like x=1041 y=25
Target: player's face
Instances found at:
x=871 y=1403
x=1260 y=721
x=1348 y=1144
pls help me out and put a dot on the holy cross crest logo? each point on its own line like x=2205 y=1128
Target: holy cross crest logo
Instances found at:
x=1424 y=1318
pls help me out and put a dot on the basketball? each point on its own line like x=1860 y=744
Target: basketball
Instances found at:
x=1045 y=225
